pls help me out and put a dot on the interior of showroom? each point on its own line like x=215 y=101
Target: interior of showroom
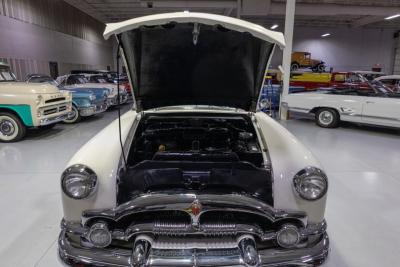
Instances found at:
x=199 y=133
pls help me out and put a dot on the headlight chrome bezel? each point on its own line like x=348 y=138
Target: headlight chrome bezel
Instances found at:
x=79 y=171
x=308 y=173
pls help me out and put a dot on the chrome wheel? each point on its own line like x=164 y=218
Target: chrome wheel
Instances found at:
x=9 y=128
x=326 y=117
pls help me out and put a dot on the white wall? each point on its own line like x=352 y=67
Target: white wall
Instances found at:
x=347 y=48
x=33 y=33
x=34 y=46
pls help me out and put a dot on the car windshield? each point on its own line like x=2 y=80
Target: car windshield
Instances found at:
x=6 y=75
x=98 y=79
x=379 y=87
x=43 y=79
x=77 y=79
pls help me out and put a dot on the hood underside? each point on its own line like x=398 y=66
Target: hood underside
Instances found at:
x=188 y=60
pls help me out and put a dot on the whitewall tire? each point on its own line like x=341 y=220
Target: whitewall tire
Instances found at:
x=11 y=128
x=74 y=116
x=327 y=118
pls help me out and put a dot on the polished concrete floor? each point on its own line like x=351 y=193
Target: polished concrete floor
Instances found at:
x=363 y=211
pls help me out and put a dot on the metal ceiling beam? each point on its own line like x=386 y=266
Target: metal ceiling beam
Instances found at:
x=366 y=20
x=321 y=9
x=189 y=4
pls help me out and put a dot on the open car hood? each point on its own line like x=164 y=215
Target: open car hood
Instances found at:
x=186 y=58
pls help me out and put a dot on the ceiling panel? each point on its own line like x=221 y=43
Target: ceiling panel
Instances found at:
x=315 y=13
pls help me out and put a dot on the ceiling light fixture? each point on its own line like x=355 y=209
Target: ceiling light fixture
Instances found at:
x=273 y=27
x=392 y=17
x=325 y=35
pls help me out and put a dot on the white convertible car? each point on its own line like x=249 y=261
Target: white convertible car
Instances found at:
x=205 y=179
x=376 y=106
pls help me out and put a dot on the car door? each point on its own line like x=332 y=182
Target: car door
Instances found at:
x=381 y=110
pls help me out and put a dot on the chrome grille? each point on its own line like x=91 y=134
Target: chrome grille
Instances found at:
x=50 y=111
x=54 y=109
x=197 y=243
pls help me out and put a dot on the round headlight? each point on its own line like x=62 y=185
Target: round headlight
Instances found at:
x=99 y=235
x=78 y=181
x=39 y=99
x=311 y=183
x=288 y=236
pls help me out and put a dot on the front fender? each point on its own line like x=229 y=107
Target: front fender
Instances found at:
x=102 y=154
x=289 y=156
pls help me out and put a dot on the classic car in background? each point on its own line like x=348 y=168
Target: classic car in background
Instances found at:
x=110 y=77
x=24 y=105
x=104 y=79
x=85 y=102
x=391 y=81
x=210 y=181
x=339 y=80
x=73 y=81
x=304 y=60
x=376 y=106
x=369 y=75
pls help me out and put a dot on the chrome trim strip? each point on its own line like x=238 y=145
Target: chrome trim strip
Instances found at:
x=209 y=202
x=299 y=109
x=380 y=118
x=75 y=228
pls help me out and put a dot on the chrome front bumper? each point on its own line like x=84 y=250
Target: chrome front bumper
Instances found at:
x=196 y=235
x=52 y=120
x=75 y=254
x=92 y=110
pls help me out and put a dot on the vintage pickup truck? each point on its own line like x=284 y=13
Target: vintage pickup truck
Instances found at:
x=24 y=105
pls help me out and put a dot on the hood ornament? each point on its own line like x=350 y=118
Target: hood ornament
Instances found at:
x=195 y=208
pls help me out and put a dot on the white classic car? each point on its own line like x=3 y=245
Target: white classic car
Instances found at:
x=24 y=106
x=375 y=106
x=209 y=182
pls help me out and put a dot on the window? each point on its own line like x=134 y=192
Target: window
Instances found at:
x=6 y=75
x=341 y=78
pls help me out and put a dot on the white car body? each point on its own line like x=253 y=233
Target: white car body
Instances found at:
x=374 y=110
x=280 y=149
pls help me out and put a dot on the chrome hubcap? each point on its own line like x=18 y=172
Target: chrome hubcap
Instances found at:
x=8 y=128
x=326 y=117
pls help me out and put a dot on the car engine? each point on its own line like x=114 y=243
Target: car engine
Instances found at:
x=201 y=152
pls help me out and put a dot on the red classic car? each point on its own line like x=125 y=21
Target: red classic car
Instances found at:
x=312 y=81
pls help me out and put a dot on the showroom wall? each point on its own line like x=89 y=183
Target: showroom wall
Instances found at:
x=346 y=48
x=37 y=32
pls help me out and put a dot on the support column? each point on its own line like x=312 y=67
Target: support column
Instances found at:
x=287 y=55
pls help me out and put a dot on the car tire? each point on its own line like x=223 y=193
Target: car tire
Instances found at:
x=294 y=66
x=75 y=116
x=11 y=128
x=327 y=118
